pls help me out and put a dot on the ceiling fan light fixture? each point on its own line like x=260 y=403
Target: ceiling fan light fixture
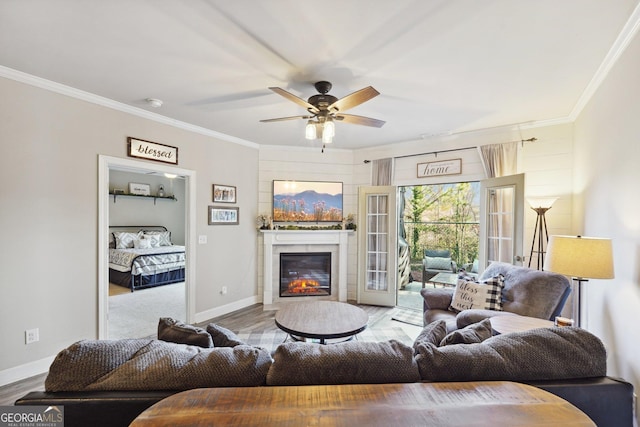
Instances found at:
x=327 y=138
x=329 y=128
x=310 y=130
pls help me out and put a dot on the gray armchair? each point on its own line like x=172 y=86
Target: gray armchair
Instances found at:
x=526 y=292
x=437 y=261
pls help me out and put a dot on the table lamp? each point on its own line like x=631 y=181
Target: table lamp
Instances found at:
x=582 y=258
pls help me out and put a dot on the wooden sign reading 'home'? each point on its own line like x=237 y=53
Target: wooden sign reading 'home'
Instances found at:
x=445 y=167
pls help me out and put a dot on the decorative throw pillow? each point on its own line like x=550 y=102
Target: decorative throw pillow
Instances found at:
x=474 y=333
x=154 y=240
x=433 y=333
x=142 y=243
x=164 y=237
x=486 y=295
x=175 y=331
x=125 y=239
x=223 y=337
x=438 y=263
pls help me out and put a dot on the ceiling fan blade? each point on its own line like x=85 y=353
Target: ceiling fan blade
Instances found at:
x=291 y=97
x=354 y=99
x=281 y=119
x=360 y=120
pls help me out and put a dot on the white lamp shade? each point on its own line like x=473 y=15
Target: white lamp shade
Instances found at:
x=581 y=257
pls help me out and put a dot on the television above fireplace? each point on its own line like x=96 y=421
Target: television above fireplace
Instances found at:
x=307 y=201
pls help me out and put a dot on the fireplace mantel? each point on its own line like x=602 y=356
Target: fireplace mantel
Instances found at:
x=304 y=237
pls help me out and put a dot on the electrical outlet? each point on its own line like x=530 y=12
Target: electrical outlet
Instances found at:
x=31 y=336
x=224 y=290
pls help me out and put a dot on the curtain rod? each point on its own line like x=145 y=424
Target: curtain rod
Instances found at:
x=532 y=139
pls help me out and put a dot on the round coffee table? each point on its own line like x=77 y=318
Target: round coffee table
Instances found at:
x=321 y=320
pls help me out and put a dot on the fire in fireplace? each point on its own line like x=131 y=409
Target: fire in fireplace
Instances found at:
x=305 y=274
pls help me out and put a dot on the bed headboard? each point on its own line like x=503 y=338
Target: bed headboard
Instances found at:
x=136 y=228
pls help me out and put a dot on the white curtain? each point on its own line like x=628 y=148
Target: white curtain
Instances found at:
x=499 y=159
x=381 y=171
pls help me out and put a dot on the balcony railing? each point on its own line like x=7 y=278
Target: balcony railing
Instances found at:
x=461 y=238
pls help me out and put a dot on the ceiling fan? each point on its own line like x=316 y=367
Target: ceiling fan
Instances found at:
x=324 y=109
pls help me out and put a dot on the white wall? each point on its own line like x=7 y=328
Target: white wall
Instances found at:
x=145 y=211
x=49 y=218
x=607 y=205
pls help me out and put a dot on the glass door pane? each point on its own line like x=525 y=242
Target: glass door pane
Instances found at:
x=377 y=246
x=377 y=218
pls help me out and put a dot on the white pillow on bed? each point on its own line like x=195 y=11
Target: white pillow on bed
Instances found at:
x=154 y=240
x=125 y=239
x=142 y=243
x=163 y=236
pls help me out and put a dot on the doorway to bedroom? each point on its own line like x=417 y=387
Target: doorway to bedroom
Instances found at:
x=146 y=252
x=145 y=213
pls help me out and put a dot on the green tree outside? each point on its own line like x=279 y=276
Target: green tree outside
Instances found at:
x=444 y=216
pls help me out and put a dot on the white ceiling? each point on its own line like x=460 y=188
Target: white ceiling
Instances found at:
x=440 y=65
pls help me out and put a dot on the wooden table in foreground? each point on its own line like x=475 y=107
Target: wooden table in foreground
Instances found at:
x=507 y=324
x=496 y=403
x=322 y=320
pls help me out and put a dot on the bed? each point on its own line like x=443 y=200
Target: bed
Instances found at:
x=144 y=257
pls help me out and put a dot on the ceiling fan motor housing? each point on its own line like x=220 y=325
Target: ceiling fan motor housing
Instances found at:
x=323 y=87
x=322 y=101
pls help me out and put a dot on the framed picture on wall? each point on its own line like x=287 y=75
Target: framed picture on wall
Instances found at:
x=139 y=189
x=219 y=215
x=224 y=193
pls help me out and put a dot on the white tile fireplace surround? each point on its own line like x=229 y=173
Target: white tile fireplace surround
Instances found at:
x=278 y=241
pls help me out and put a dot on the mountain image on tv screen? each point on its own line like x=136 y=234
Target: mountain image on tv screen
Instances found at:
x=307 y=201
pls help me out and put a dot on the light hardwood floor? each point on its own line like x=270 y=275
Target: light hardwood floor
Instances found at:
x=253 y=317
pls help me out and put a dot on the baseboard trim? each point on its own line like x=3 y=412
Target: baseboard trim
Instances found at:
x=28 y=370
x=225 y=309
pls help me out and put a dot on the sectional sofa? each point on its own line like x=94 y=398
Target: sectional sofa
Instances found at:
x=108 y=383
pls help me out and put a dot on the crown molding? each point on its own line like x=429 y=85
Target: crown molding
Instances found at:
x=49 y=85
x=621 y=43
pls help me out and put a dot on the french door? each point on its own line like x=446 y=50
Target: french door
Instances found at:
x=377 y=243
x=501 y=220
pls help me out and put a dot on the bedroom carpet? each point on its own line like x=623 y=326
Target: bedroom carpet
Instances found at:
x=136 y=314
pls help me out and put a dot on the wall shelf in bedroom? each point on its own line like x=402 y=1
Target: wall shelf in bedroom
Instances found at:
x=116 y=195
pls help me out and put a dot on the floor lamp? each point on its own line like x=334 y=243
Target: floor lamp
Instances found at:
x=582 y=258
x=541 y=206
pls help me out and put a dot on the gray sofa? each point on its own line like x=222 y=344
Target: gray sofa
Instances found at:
x=526 y=292
x=108 y=383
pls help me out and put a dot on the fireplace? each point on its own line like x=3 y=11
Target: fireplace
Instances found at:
x=305 y=274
